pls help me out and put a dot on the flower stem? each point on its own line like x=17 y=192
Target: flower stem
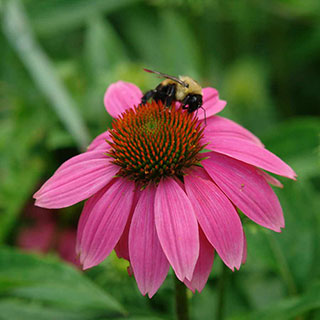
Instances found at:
x=283 y=264
x=182 y=306
x=221 y=292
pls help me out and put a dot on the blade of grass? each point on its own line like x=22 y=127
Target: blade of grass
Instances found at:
x=18 y=32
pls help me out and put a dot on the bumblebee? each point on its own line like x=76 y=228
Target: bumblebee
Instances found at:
x=183 y=89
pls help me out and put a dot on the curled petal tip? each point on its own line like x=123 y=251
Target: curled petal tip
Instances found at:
x=189 y=276
x=238 y=267
x=233 y=265
x=39 y=203
x=291 y=174
x=87 y=265
x=223 y=103
x=277 y=229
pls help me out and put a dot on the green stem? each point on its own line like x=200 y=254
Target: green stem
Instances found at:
x=283 y=265
x=221 y=292
x=182 y=306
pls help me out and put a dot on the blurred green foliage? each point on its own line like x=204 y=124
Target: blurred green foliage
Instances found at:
x=57 y=59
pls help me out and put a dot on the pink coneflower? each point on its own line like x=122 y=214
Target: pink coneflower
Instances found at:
x=158 y=199
x=41 y=233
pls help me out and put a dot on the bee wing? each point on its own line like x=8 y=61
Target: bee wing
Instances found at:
x=163 y=75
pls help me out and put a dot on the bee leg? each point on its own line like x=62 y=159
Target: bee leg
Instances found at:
x=148 y=95
x=170 y=96
x=205 y=115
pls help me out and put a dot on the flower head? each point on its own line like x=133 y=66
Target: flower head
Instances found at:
x=158 y=199
x=150 y=142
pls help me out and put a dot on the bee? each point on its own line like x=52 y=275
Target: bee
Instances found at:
x=183 y=89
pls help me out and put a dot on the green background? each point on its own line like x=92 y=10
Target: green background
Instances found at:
x=57 y=57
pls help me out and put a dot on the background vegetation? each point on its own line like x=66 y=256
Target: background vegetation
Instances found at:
x=57 y=59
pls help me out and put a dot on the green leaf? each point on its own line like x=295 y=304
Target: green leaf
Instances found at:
x=47 y=280
x=21 y=310
x=17 y=29
x=287 y=308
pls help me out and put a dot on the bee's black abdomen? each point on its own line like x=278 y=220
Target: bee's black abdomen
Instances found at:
x=166 y=94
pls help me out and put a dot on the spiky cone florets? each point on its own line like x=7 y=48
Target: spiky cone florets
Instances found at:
x=151 y=141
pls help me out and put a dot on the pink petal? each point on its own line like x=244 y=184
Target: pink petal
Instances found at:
x=199 y=172
x=99 y=142
x=221 y=126
x=103 y=226
x=270 y=179
x=247 y=189
x=150 y=265
x=90 y=155
x=85 y=214
x=218 y=219
x=122 y=247
x=76 y=180
x=211 y=103
x=129 y=270
x=250 y=153
x=121 y=96
x=203 y=267
x=177 y=228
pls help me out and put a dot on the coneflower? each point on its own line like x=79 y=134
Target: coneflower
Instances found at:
x=158 y=199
